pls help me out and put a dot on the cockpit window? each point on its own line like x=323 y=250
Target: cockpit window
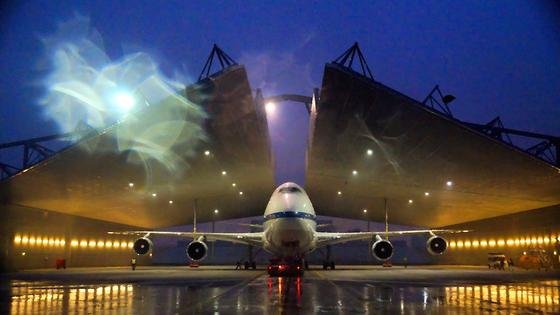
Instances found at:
x=287 y=190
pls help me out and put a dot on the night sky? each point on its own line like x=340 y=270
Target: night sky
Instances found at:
x=497 y=58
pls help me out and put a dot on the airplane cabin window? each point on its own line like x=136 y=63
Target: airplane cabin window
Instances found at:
x=286 y=190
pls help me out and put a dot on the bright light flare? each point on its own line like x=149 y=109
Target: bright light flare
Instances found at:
x=270 y=108
x=125 y=101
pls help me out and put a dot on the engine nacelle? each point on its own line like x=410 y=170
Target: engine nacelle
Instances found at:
x=436 y=245
x=382 y=249
x=143 y=245
x=197 y=250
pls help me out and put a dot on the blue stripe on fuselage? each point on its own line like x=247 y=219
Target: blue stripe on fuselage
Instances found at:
x=290 y=214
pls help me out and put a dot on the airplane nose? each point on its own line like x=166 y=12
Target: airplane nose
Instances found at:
x=288 y=202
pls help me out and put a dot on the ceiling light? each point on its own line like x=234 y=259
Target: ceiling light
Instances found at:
x=130 y=184
x=233 y=184
x=369 y=152
x=339 y=193
x=154 y=195
x=364 y=211
x=224 y=173
x=354 y=172
x=449 y=183
x=410 y=201
x=240 y=193
x=207 y=153
x=216 y=211
x=170 y=202
x=426 y=194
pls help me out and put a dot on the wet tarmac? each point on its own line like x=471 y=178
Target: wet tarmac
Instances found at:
x=214 y=290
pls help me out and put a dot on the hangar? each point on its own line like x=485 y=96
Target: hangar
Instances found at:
x=369 y=146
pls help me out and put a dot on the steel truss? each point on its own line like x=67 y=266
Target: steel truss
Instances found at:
x=223 y=58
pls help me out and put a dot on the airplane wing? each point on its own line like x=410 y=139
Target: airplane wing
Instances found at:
x=255 y=239
x=331 y=238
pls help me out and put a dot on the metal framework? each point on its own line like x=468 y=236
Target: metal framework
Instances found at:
x=547 y=150
x=347 y=60
x=437 y=101
x=223 y=58
x=34 y=150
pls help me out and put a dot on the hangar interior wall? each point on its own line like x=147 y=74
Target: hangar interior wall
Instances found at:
x=511 y=235
x=33 y=238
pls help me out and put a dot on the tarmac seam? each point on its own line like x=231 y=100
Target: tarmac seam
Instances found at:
x=235 y=287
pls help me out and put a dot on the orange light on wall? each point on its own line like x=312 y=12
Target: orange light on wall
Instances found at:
x=501 y=243
x=74 y=243
x=130 y=244
x=17 y=240
x=534 y=240
x=116 y=244
x=39 y=241
x=92 y=243
x=52 y=242
x=108 y=244
x=62 y=242
x=540 y=240
x=510 y=242
x=100 y=244
x=475 y=243
x=451 y=244
x=83 y=244
x=517 y=241
x=467 y=244
x=491 y=243
x=522 y=241
x=24 y=240
x=459 y=244
x=483 y=243
x=546 y=240
x=31 y=241
x=123 y=244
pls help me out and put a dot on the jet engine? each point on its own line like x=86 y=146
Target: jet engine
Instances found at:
x=382 y=249
x=436 y=245
x=197 y=250
x=143 y=245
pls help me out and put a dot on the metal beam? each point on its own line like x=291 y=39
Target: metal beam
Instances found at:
x=347 y=60
x=224 y=59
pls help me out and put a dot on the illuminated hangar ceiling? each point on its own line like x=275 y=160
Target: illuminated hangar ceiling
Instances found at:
x=148 y=170
x=370 y=143
x=367 y=141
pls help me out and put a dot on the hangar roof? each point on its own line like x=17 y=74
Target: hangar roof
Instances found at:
x=367 y=141
x=171 y=150
x=371 y=143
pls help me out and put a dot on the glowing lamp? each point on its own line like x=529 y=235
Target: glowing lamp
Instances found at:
x=270 y=107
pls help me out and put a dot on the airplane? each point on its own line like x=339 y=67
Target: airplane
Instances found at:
x=289 y=234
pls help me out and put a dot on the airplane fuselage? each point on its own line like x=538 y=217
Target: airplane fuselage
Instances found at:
x=289 y=223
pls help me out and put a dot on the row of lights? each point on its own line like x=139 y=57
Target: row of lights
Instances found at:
x=223 y=172
x=39 y=241
x=74 y=243
x=511 y=242
x=369 y=152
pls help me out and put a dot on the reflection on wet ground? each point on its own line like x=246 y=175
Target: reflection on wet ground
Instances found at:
x=313 y=293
